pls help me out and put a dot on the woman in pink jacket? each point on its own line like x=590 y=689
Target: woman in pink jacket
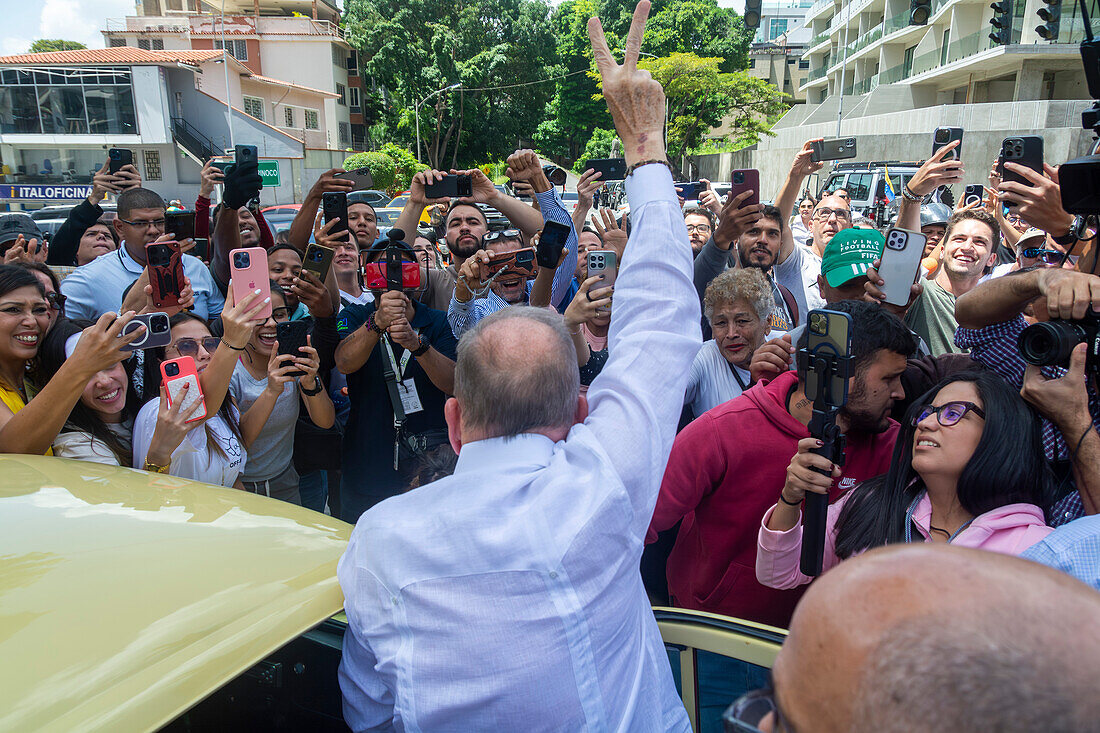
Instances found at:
x=967 y=469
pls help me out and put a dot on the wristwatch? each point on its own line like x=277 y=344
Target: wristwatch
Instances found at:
x=318 y=385
x=424 y=346
x=154 y=468
x=1075 y=232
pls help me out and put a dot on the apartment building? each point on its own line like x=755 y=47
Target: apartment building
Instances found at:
x=777 y=50
x=60 y=111
x=299 y=41
x=889 y=83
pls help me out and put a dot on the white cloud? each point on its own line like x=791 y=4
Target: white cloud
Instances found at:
x=72 y=20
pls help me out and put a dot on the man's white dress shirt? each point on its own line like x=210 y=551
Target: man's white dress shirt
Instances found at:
x=507 y=597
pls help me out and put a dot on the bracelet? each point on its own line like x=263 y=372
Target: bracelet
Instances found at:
x=372 y=326
x=908 y=193
x=1069 y=237
x=154 y=468
x=636 y=166
x=235 y=348
x=788 y=503
x=318 y=385
x=423 y=347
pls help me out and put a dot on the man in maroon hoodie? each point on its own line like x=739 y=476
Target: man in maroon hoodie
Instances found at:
x=728 y=467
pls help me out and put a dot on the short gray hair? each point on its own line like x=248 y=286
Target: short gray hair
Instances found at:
x=505 y=389
x=742 y=283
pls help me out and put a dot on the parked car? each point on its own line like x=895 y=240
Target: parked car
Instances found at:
x=137 y=601
x=866 y=182
x=372 y=197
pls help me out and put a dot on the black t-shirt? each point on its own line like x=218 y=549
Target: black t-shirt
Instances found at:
x=369 y=437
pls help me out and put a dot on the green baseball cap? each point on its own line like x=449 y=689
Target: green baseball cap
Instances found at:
x=849 y=253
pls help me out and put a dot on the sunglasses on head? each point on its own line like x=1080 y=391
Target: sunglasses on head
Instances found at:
x=504 y=234
x=1047 y=256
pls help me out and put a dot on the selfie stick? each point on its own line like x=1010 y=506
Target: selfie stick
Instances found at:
x=827 y=366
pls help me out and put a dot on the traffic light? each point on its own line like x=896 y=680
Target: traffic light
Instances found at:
x=919 y=11
x=1051 y=15
x=1001 y=22
x=752 y=13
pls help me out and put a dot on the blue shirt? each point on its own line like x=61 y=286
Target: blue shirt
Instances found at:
x=1073 y=548
x=97 y=287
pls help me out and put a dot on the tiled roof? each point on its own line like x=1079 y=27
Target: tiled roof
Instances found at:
x=118 y=55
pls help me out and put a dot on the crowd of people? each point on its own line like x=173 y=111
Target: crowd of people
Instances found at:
x=514 y=447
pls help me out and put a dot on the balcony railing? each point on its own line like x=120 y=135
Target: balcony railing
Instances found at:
x=816 y=73
x=895 y=23
x=819 y=38
x=866 y=39
x=817 y=7
x=860 y=87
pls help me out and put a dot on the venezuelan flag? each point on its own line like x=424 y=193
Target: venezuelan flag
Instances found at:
x=891 y=194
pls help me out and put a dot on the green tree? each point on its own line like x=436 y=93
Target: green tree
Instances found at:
x=43 y=45
x=599 y=146
x=406 y=164
x=702 y=28
x=382 y=167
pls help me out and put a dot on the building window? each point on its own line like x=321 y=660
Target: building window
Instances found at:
x=777 y=27
x=337 y=56
x=237 y=49
x=345 y=134
x=152 y=165
x=804 y=63
x=907 y=62
x=72 y=101
x=343 y=94
x=288 y=116
x=313 y=119
x=752 y=63
x=116 y=43
x=353 y=62
x=254 y=107
x=353 y=98
x=155 y=44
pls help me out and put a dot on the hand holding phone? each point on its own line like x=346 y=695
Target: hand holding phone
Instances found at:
x=519 y=261
x=613 y=169
x=604 y=265
x=551 y=243
x=291 y=337
x=361 y=178
x=944 y=136
x=164 y=261
x=334 y=207
x=745 y=180
x=157 y=331
x=248 y=273
x=318 y=260
x=175 y=373
x=118 y=157
x=899 y=264
x=1025 y=150
x=452 y=186
x=838 y=149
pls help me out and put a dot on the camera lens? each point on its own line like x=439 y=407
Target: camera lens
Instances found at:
x=172 y=370
x=1050 y=343
x=160 y=325
x=240 y=260
x=738 y=177
x=942 y=136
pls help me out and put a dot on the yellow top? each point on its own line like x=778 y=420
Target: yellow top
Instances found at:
x=14 y=402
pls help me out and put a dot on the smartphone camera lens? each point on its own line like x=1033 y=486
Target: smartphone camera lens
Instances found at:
x=172 y=370
x=739 y=177
x=160 y=325
x=942 y=135
x=240 y=260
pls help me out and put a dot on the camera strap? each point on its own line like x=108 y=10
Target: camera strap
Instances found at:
x=394 y=374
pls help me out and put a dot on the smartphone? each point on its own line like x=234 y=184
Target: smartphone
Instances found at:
x=334 y=205
x=201 y=249
x=830 y=333
x=374 y=276
x=245 y=154
x=1026 y=150
x=974 y=193
x=838 y=149
x=602 y=263
x=222 y=165
x=180 y=224
x=690 y=190
x=177 y=372
x=118 y=157
x=361 y=177
x=451 y=186
x=157 y=331
x=318 y=260
x=519 y=261
x=944 y=136
x=165 y=264
x=551 y=243
x=291 y=336
x=613 y=169
x=745 y=180
x=1080 y=185
x=248 y=272
x=900 y=263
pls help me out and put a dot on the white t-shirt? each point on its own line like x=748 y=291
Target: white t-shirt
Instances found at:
x=193 y=459
x=798 y=273
x=713 y=380
x=362 y=299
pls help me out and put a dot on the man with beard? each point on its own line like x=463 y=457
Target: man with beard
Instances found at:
x=700 y=225
x=724 y=465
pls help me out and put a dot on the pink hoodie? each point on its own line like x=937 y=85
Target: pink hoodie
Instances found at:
x=1010 y=529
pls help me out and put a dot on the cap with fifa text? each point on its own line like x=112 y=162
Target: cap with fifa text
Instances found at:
x=849 y=253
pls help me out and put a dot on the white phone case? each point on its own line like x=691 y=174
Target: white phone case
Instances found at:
x=194 y=394
x=899 y=264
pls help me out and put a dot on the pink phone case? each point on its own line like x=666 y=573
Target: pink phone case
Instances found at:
x=249 y=273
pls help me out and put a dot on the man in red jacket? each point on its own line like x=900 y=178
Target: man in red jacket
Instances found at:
x=728 y=467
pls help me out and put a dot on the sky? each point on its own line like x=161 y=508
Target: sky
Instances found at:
x=72 y=20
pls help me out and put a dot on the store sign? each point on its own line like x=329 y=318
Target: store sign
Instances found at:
x=24 y=192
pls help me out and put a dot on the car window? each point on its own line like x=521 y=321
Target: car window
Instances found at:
x=859 y=186
x=398 y=202
x=835 y=182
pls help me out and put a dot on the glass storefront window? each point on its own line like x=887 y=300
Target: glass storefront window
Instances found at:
x=67 y=101
x=62 y=110
x=110 y=110
x=19 y=110
x=57 y=165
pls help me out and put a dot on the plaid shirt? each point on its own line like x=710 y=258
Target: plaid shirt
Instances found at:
x=995 y=348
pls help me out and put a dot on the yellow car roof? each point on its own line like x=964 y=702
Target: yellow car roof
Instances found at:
x=126 y=597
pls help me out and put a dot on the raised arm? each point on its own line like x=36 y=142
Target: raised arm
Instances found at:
x=302 y=226
x=635 y=402
x=1069 y=294
x=787 y=197
x=935 y=172
x=242 y=183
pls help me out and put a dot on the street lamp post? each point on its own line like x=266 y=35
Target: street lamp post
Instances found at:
x=416 y=111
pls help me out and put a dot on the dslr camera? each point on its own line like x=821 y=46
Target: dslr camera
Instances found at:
x=1050 y=343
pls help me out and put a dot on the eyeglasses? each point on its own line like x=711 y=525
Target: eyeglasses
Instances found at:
x=1047 y=256
x=701 y=228
x=56 y=301
x=841 y=214
x=144 y=224
x=948 y=414
x=506 y=234
x=190 y=346
x=748 y=711
x=280 y=315
x=1013 y=219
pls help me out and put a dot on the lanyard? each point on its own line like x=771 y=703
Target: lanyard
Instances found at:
x=400 y=372
x=737 y=376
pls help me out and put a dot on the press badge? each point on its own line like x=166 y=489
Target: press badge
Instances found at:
x=410 y=400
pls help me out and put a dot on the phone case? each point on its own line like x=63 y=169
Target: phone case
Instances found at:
x=361 y=177
x=900 y=263
x=945 y=136
x=291 y=336
x=613 y=169
x=551 y=243
x=118 y=157
x=158 y=332
x=318 y=260
x=520 y=261
x=974 y=193
x=689 y=191
x=374 y=276
x=602 y=262
x=244 y=154
x=451 y=186
x=830 y=331
x=838 y=149
x=249 y=273
x=334 y=205
x=180 y=224
x=189 y=375
x=745 y=180
x=165 y=263
x=1027 y=150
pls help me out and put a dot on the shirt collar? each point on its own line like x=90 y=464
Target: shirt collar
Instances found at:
x=127 y=261
x=516 y=451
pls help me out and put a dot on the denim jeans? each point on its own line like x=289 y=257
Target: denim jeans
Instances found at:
x=313 y=487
